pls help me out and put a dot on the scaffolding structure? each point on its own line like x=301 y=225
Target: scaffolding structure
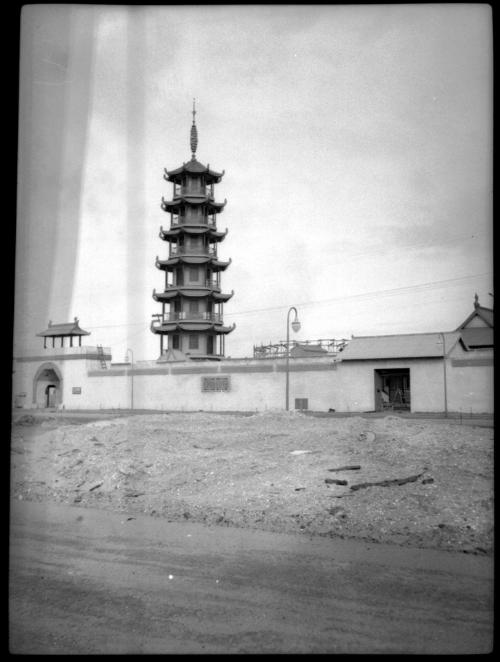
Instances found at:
x=323 y=346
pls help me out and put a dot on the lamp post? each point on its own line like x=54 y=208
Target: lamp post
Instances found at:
x=295 y=327
x=131 y=376
x=444 y=377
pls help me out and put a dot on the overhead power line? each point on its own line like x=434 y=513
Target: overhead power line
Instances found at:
x=373 y=294
x=370 y=295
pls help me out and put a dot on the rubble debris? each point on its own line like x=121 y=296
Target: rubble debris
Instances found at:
x=366 y=436
x=133 y=494
x=299 y=452
x=26 y=419
x=426 y=481
x=334 y=481
x=94 y=487
x=335 y=510
x=348 y=467
x=387 y=483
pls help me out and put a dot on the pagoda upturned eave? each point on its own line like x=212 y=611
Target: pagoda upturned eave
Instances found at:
x=194 y=167
x=171 y=327
x=175 y=232
x=192 y=259
x=173 y=292
x=170 y=205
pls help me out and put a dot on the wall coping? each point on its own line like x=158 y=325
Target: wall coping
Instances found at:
x=84 y=353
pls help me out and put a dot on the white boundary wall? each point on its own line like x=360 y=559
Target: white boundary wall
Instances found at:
x=257 y=385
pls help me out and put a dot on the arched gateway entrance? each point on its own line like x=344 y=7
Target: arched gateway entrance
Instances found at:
x=47 y=386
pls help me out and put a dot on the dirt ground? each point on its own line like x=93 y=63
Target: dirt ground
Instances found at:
x=409 y=482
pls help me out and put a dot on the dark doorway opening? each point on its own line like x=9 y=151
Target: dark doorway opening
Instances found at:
x=392 y=389
x=50 y=396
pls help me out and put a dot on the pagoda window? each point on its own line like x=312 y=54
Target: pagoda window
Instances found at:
x=193 y=341
x=194 y=306
x=210 y=345
x=175 y=342
x=193 y=275
x=179 y=277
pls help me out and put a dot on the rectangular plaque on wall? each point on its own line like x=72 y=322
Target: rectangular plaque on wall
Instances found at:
x=77 y=390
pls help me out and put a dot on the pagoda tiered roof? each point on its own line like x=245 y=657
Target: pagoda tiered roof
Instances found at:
x=169 y=205
x=172 y=327
x=173 y=292
x=192 y=259
x=194 y=167
x=192 y=229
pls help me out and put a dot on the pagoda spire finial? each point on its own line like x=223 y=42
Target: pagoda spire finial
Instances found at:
x=194 y=134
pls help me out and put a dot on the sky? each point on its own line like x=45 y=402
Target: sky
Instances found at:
x=356 y=142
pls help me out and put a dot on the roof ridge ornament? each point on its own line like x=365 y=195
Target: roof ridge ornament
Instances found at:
x=476 y=301
x=194 y=134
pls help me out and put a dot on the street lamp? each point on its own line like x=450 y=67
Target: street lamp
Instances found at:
x=295 y=327
x=131 y=375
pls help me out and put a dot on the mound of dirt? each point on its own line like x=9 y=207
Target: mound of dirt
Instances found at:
x=25 y=419
x=409 y=482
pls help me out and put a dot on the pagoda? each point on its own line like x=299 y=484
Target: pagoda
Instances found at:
x=192 y=326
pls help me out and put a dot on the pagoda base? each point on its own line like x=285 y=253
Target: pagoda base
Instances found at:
x=170 y=355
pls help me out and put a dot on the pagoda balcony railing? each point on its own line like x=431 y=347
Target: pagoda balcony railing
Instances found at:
x=197 y=250
x=182 y=220
x=208 y=283
x=193 y=190
x=185 y=315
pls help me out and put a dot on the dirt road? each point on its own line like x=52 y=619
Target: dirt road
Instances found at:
x=84 y=580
